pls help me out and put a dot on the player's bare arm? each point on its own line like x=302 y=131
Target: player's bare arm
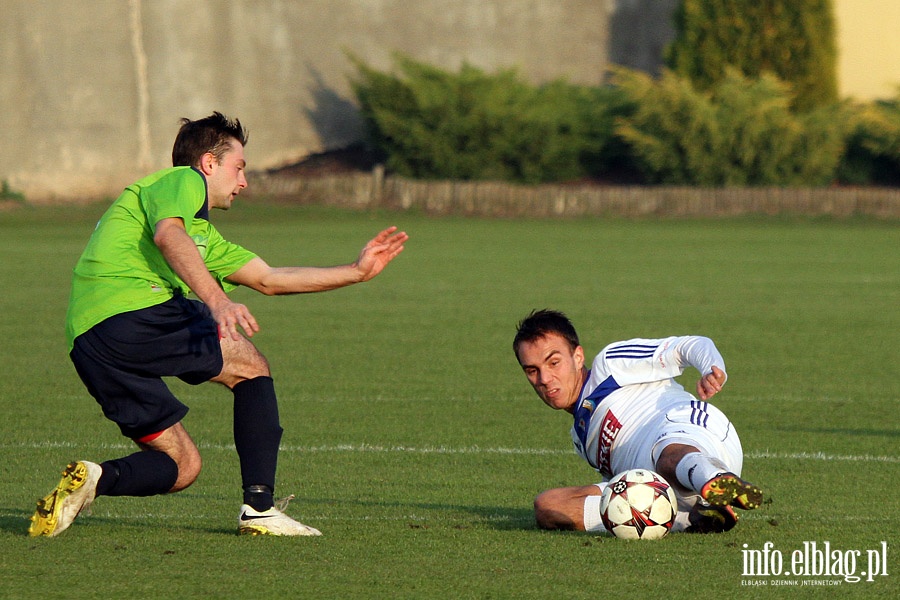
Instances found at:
x=563 y=508
x=372 y=260
x=711 y=384
x=182 y=255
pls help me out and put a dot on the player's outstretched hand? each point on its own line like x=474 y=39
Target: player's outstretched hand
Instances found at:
x=711 y=383
x=380 y=250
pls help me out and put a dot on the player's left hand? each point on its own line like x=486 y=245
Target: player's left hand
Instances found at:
x=711 y=383
x=380 y=250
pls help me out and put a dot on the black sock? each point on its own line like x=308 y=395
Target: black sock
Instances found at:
x=145 y=473
x=257 y=436
x=260 y=497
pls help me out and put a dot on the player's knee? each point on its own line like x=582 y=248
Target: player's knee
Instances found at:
x=253 y=371
x=668 y=460
x=248 y=365
x=259 y=367
x=547 y=513
x=543 y=517
x=253 y=364
x=189 y=466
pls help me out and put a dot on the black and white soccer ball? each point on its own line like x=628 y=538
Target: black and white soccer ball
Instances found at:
x=638 y=505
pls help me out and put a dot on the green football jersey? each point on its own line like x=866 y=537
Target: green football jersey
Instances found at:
x=122 y=269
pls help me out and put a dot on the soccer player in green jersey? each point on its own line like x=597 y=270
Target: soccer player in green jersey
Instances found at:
x=130 y=323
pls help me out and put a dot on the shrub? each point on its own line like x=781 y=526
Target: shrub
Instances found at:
x=741 y=132
x=430 y=123
x=873 y=145
x=792 y=39
x=7 y=193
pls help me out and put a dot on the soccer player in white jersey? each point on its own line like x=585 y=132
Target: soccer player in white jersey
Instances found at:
x=630 y=413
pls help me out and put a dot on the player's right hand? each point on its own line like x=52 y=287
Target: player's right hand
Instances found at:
x=379 y=251
x=231 y=315
x=711 y=383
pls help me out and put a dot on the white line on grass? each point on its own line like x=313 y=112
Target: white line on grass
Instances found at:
x=426 y=449
x=399 y=449
x=544 y=452
x=822 y=456
x=125 y=516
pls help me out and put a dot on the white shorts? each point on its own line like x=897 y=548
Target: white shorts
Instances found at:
x=700 y=424
x=691 y=422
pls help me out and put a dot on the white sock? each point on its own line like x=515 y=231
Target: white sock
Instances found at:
x=682 y=521
x=592 y=520
x=695 y=469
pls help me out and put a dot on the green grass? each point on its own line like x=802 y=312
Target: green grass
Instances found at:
x=413 y=440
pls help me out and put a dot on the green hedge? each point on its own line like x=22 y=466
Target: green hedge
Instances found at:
x=430 y=123
x=742 y=131
x=873 y=145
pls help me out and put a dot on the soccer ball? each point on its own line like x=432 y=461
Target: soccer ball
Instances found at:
x=638 y=505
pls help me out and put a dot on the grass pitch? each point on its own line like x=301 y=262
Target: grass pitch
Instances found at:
x=413 y=441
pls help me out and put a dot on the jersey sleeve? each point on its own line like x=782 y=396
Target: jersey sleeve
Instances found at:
x=181 y=193
x=647 y=360
x=223 y=258
x=698 y=352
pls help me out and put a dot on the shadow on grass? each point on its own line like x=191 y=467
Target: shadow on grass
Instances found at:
x=500 y=518
x=16 y=520
x=494 y=517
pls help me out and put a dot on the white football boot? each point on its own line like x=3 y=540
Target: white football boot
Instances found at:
x=271 y=522
x=72 y=495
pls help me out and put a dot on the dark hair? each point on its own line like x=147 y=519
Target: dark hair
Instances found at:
x=542 y=322
x=211 y=134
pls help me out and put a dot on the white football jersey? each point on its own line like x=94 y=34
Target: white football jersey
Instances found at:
x=629 y=391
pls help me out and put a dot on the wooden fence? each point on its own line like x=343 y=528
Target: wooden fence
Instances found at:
x=496 y=199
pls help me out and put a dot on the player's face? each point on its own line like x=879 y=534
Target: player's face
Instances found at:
x=226 y=179
x=553 y=369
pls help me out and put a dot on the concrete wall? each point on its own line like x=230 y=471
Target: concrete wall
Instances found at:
x=868 y=45
x=91 y=91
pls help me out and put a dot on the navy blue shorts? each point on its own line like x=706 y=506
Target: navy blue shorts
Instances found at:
x=123 y=359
